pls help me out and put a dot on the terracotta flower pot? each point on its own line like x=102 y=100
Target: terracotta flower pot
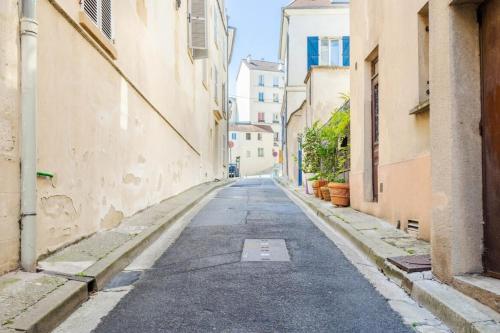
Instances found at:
x=316 y=187
x=339 y=194
x=325 y=191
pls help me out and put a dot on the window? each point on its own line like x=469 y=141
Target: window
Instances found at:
x=261 y=117
x=261 y=152
x=423 y=53
x=276 y=136
x=276 y=98
x=276 y=117
x=276 y=81
x=216 y=85
x=331 y=51
x=261 y=80
x=261 y=97
x=249 y=154
x=249 y=136
x=197 y=28
x=234 y=136
x=216 y=25
x=328 y=51
x=100 y=12
x=259 y=136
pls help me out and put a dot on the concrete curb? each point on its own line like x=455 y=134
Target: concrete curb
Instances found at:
x=459 y=312
x=53 y=309
x=49 y=312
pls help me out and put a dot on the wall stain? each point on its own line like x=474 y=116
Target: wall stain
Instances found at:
x=131 y=179
x=141 y=159
x=112 y=219
x=59 y=206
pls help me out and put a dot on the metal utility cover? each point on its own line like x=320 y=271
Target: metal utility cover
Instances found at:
x=412 y=264
x=265 y=250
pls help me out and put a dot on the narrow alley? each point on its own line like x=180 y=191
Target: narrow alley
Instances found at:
x=201 y=284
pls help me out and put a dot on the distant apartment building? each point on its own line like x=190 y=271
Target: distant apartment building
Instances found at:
x=130 y=99
x=259 y=96
x=252 y=148
x=315 y=48
x=425 y=143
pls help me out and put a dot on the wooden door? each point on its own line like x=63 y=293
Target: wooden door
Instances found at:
x=375 y=129
x=490 y=67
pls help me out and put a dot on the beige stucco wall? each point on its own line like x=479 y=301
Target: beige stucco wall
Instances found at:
x=404 y=160
x=325 y=86
x=119 y=135
x=457 y=206
x=295 y=127
x=9 y=136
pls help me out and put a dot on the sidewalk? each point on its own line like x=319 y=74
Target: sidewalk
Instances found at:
x=380 y=241
x=38 y=302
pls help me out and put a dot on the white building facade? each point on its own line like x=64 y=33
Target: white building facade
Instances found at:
x=314 y=33
x=259 y=97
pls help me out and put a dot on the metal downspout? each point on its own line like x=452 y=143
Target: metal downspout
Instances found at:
x=29 y=32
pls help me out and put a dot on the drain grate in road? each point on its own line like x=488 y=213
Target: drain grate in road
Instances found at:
x=265 y=250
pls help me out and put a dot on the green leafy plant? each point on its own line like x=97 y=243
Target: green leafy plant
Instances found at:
x=335 y=148
x=311 y=148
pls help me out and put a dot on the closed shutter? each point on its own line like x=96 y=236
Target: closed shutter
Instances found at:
x=106 y=22
x=100 y=12
x=346 y=52
x=198 y=24
x=90 y=7
x=312 y=52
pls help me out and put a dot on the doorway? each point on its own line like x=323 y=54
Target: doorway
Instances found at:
x=490 y=120
x=375 y=127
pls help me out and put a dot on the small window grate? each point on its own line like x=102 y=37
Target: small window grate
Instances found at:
x=413 y=228
x=106 y=18
x=90 y=7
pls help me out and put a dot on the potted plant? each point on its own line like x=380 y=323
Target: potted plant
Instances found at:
x=310 y=150
x=336 y=154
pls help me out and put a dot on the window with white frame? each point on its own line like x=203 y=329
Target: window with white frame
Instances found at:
x=249 y=136
x=259 y=136
x=261 y=117
x=261 y=80
x=331 y=52
x=216 y=25
x=100 y=12
x=216 y=85
x=276 y=117
x=276 y=98
x=234 y=136
x=249 y=154
x=276 y=81
x=261 y=152
x=261 y=97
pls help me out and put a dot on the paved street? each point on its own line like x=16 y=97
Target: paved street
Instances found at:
x=201 y=285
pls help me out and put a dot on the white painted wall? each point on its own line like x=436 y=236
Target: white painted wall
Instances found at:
x=253 y=165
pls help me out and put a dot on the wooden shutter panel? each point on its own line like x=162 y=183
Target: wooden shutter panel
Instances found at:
x=346 y=52
x=198 y=24
x=312 y=52
x=90 y=7
x=106 y=18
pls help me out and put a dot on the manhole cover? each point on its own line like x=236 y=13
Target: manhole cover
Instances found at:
x=412 y=264
x=265 y=250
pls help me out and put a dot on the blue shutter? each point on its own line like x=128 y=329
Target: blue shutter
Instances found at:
x=312 y=52
x=346 y=52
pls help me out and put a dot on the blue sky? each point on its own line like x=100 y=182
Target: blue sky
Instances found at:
x=257 y=25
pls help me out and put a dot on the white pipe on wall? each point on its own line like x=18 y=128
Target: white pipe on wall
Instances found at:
x=29 y=33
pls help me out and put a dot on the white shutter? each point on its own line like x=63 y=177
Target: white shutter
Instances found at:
x=198 y=24
x=106 y=18
x=91 y=8
x=100 y=12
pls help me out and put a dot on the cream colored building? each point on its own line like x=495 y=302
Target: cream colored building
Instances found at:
x=131 y=110
x=313 y=33
x=425 y=144
x=253 y=148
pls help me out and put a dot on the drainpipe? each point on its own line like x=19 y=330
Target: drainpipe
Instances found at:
x=29 y=32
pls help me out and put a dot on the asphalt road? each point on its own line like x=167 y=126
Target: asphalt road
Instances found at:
x=200 y=283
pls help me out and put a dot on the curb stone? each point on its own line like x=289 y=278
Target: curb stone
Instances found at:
x=461 y=313
x=50 y=311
